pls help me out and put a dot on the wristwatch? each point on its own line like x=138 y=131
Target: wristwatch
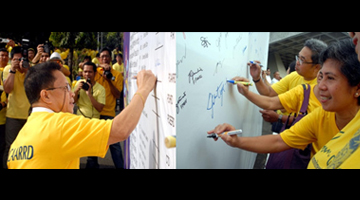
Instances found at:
x=12 y=71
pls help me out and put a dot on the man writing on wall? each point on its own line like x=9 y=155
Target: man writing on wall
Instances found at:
x=55 y=138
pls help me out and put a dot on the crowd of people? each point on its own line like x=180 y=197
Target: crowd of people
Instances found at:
x=97 y=93
x=327 y=134
x=38 y=129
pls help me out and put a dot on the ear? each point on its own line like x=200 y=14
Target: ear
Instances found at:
x=45 y=97
x=317 y=67
x=357 y=92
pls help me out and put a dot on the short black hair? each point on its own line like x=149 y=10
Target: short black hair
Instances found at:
x=105 y=49
x=316 y=46
x=343 y=51
x=4 y=50
x=15 y=50
x=92 y=64
x=38 y=78
x=87 y=57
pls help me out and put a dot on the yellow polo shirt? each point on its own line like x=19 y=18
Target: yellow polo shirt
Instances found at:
x=18 y=105
x=290 y=81
x=318 y=128
x=85 y=107
x=58 y=140
x=292 y=100
x=342 y=151
x=109 y=108
x=119 y=68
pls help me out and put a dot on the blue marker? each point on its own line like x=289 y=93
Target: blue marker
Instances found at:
x=253 y=62
x=242 y=82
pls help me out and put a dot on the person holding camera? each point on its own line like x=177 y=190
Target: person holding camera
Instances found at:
x=89 y=95
x=18 y=105
x=90 y=99
x=112 y=81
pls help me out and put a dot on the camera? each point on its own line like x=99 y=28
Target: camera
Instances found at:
x=4 y=40
x=47 y=47
x=24 y=52
x=109 y=75
x=85 y=86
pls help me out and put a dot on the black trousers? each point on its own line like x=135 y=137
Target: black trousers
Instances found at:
x=12 y=129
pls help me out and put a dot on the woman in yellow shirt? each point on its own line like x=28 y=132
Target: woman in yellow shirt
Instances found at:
x=339 y=96
x=342 y=151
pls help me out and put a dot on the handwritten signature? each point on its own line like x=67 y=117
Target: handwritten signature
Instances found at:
x=219 y=94
x=204 y=42
x=192 y=76
x=180 y=103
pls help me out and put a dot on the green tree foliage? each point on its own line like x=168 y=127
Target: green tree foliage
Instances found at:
x=113 y=40
x=73 y=40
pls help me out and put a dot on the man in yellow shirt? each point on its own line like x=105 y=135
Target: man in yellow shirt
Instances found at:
x=307 y=67
x=96 y=59
x=18 y=106
x=119 y=65
x=340 y=100
x=4 y=58
x=112 y=81
x=55 y=138
x=90 y=100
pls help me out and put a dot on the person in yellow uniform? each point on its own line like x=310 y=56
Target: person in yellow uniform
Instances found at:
x=53 y=137
x=340 y=99
x=119 y=66
x=112 y=81
x=96 y=59
x=4 y=58
x=90 y=100
x=342 y=151
x=18 y=106
x=307 y=68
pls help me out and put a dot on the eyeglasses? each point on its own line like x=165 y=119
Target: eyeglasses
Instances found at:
x=302 y=61
x=67 y=88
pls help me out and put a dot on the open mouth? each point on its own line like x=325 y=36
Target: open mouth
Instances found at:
x=324 y=99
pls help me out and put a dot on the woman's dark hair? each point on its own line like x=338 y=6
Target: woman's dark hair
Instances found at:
x=344 y=52
x=38 y=78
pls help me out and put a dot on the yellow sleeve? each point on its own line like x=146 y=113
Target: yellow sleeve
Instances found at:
x=292 y=99
x=6 y=72
x=118 y=80
x=284 y=84
x=122 y=68
x=303 y=132
x=81 y=137
x=102 y=95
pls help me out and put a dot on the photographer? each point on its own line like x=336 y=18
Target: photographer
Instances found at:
x=90 y=99
x=18 y=105
x=89 y=95
x=112 y=81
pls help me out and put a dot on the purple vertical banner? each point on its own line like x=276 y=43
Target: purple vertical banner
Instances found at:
x=126 y=50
